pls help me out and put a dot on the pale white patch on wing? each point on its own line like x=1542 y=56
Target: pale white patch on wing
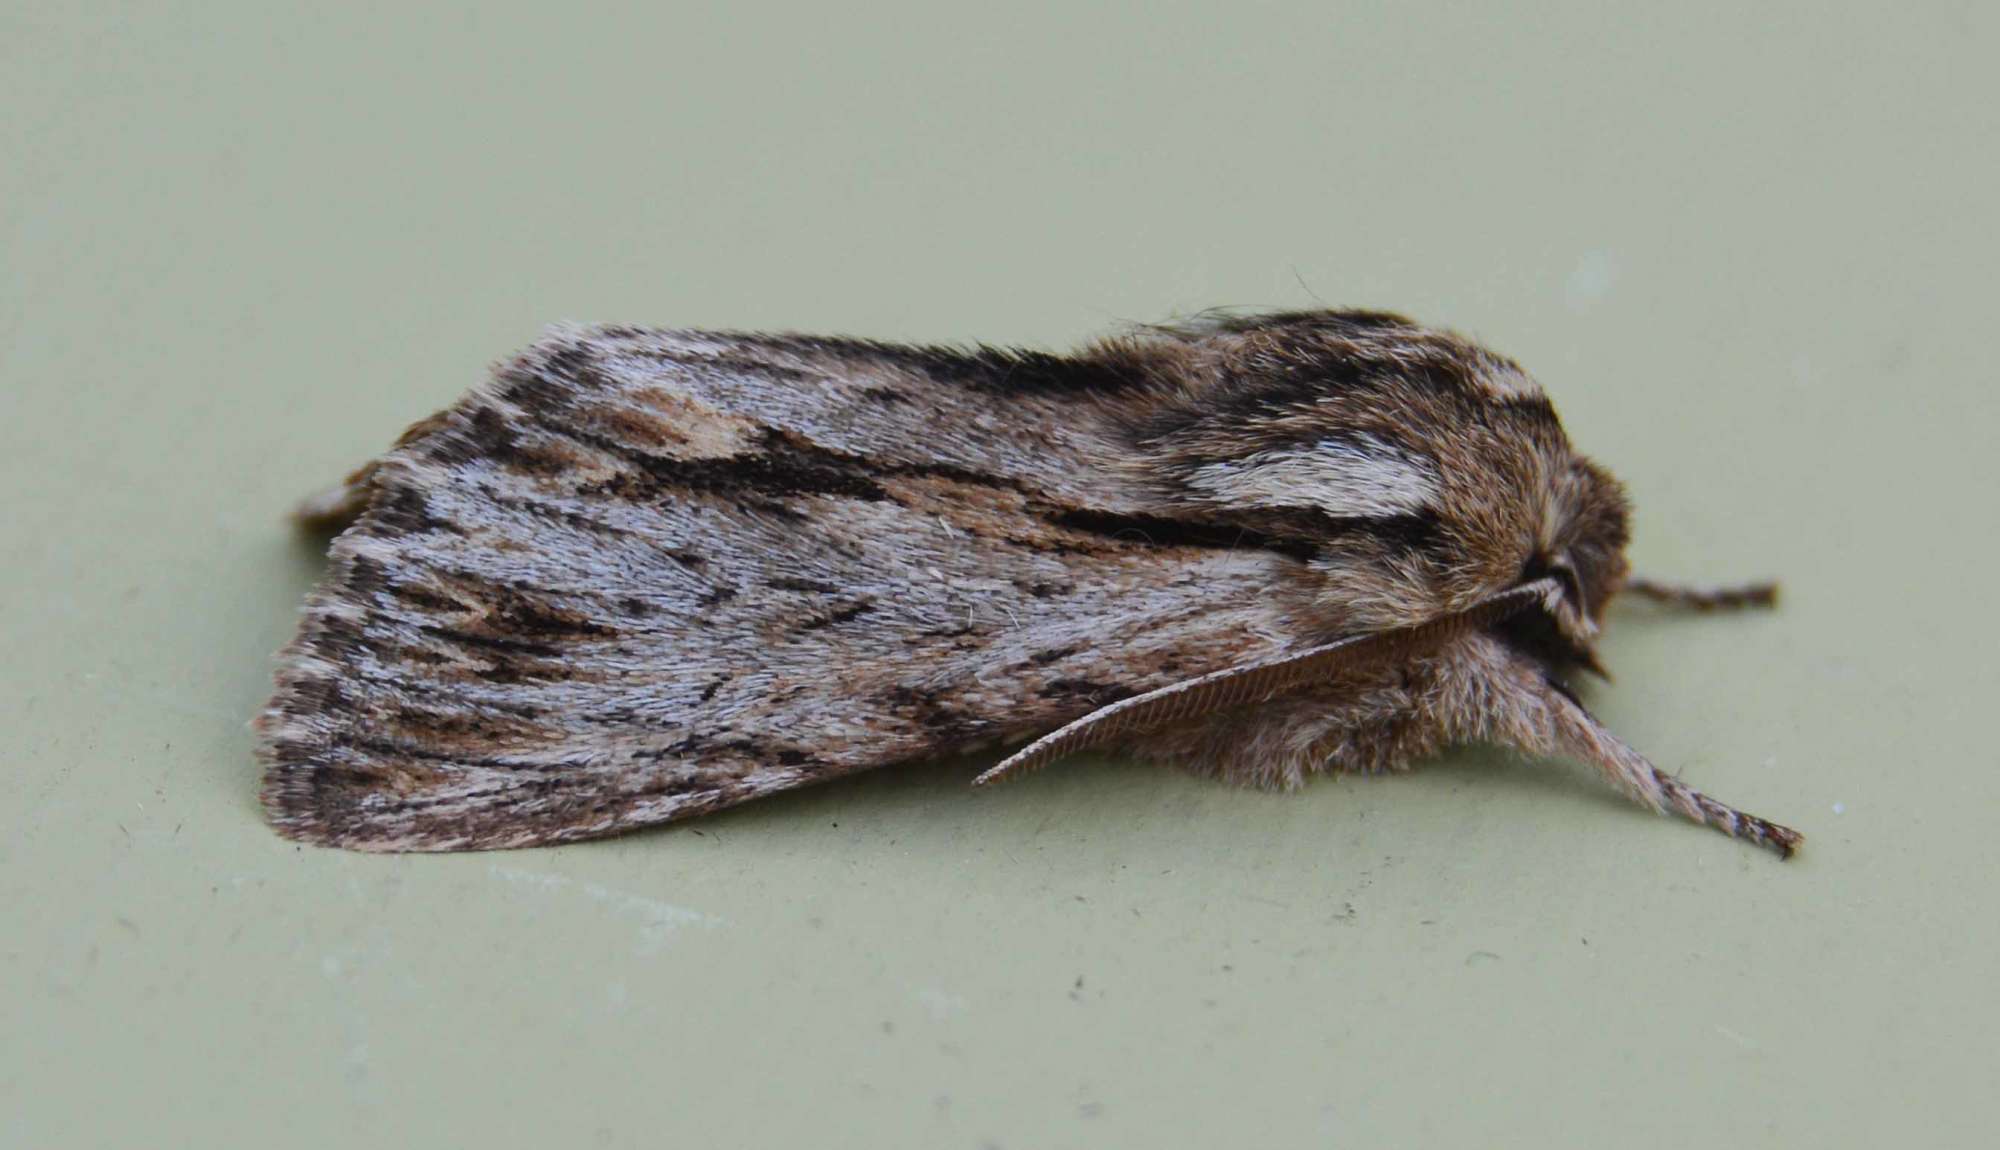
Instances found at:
x=1504 y=382
x=1357 y=475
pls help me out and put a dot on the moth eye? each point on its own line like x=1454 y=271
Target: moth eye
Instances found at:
x=1563 y=570
x=1572 y=582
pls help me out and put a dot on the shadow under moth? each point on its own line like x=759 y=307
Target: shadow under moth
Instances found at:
x=642 y=574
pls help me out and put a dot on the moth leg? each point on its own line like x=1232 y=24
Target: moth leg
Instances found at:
x=1551 y=722
x=1385 y=720
x=1488 y=693
x=1697 y=598
x=333 y=510
x=1355 y=725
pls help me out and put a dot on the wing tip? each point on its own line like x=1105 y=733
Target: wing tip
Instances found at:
x=297 y=800
x=316 y=803
x=307 y=795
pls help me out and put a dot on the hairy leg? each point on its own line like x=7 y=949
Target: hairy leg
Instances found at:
x=1503 y=698
x=1387 y=718
x=1359 y=724
x=335 y=509
x=1581 y=736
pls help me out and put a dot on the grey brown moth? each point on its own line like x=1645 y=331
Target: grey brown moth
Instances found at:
x=643 y=574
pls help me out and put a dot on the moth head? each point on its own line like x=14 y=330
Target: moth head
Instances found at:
x=1413 y=471
x=1582 y=549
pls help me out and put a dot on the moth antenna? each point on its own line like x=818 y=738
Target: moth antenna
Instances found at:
x=1263 y=680
x=1705 y=598
x=1579 y=734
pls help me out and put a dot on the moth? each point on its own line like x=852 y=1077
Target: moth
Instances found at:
x=642 y=574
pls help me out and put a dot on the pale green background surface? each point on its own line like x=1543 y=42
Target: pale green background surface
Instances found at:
x=1752 y=257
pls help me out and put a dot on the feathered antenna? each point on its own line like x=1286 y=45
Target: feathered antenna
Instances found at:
x=1263 y=680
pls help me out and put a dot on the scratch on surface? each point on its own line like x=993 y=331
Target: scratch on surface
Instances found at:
x=1745 y=1042
x=657 y=920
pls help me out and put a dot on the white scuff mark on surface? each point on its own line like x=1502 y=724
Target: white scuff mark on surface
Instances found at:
x=658 y=920
x=940 y=1003
x=356 y=1066
x=529 y=878
x=1744 y=1041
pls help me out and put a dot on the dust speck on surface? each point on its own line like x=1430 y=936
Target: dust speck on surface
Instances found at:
x=941 y=1004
